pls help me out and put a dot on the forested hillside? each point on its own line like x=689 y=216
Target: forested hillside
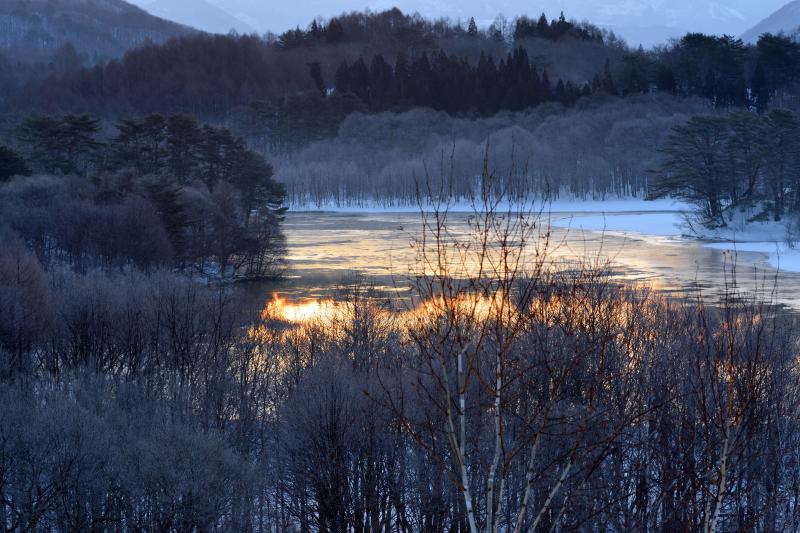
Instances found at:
x=98 y=30
x=162 y=192
x=294 y=92
x=785 y=20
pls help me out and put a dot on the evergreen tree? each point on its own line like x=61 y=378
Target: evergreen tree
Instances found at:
x=472 y=29
x=315 y=71
x=315 y=31
x=342 y=78
x=760 y=90
x=635 y=73
x=380 y=83
x=140 y=144
x=560 y=93
x=665 y=80
x=543 y=27
x=65 y=145
x=334 y=33
x=182 y=138
x=608 y=84
x=359 y=80
x=166 y=197
x=710 y=85
x=777 y=67
x=402 y=79
x=547 y=88
x=11 y=164
x=421 y=81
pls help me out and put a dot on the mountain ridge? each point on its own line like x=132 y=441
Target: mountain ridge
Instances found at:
x=200 y=14
x=784 y=20
x=98 y=30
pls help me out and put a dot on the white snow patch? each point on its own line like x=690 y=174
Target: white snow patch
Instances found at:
x=571 y=205
x=644 y=223
x=779 y=255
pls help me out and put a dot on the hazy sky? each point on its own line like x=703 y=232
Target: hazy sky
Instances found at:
x=637 y=20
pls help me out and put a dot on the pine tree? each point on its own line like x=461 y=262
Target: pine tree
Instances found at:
x=608 y=80
x=710 y=85
x=65 y=145
x=380 y=83
x=547 y=88
x=472 y=29
x=402 y=79
x=315 y=31
x=342 y=78
x=665 y=80
x=11 y=164
x=421 y=81
x=315 y=71
x=359 y=80
x=166 y=197
x=761 y=93
x=182 y=138
x=334 y=33
x=543 y=27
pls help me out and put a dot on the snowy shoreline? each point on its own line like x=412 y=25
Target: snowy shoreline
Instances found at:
x=572 y=205
x=660 y=218
x=766 y=239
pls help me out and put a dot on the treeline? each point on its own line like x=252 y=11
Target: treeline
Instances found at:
x=159 y=191
x=411 y=32
x=451 y=84
x=601 y=147
x=739 y=167
x=724 y=70
x=716 y=68
x=539 y=399
x=299 y=88
x=33 y=31
x=431 y=64
x=207 y=76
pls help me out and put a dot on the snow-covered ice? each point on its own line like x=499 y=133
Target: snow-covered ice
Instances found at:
x=570 y=205
x=632 y=216
x=780 y=255
x=643 y=223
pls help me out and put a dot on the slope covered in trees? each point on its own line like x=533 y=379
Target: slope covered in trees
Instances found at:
x=161 y=192
x=785 y=20
x=300 y=86
x=733 y=166
x=285 y=93
x=98 y=30
x=208 y=75
x=599 y=147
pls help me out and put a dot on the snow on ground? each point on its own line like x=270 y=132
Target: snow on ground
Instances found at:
x=780 y=255
x=644 y=223
x=660 y=218
x=571 y=205
x=767 y=239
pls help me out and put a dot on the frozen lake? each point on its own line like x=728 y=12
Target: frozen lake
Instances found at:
x=325 y=248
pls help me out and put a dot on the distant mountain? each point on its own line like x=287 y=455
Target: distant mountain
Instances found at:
x=198 y=14
x=784 y=20
x=97 y=29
